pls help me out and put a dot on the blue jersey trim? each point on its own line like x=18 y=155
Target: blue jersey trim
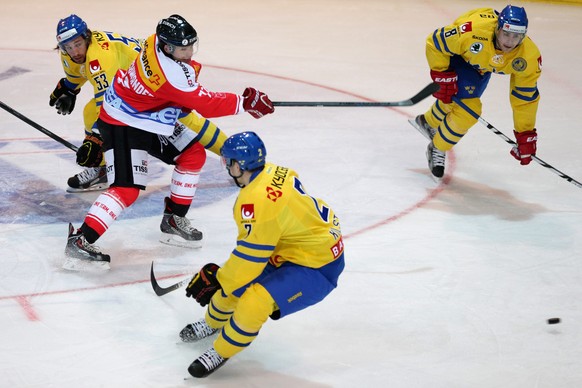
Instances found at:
x=259 y=247
x=250 y=258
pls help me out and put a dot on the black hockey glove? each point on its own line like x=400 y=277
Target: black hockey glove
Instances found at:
x=90 y=154
x=63 y=98
x=204 y=284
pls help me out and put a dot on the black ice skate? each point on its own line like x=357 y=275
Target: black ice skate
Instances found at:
x=196 y=331
x=90 y=179
x=207 y=363
x=436 y=161
x=419 y=122
x=80 y=255
x=177 y=231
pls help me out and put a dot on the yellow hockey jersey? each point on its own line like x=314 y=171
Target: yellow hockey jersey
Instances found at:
x=279 y=222
x=106 y=53
x=472 y=37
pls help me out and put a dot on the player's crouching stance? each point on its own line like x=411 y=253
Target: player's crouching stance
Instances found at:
x=289 y=254
x=462 y=56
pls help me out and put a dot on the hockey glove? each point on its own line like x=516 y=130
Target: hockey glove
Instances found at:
x=447 y=81
x=63 y=98
x=90 y=154
x=204 y=284
x=526 y=146
x=256 y=103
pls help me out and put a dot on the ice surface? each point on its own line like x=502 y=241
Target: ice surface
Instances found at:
x=445 y=285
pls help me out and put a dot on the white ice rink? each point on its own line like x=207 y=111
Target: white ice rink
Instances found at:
x=446 y=285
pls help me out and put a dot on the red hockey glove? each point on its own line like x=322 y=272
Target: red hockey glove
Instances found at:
x=90 y=154
x=256 y=103
x=526 y=146
x=204 y=284
x=63 y=98
x=447 y=80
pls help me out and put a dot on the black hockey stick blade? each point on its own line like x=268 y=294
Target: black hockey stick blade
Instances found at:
x=38 y=126
x=159 y=290
x=424 y=93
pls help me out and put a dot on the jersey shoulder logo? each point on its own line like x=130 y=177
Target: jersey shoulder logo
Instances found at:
x=466 y=27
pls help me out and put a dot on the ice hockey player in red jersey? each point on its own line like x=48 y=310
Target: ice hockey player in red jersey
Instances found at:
x=140 y=117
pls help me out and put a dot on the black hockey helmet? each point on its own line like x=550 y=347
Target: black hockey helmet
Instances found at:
x=176 y=31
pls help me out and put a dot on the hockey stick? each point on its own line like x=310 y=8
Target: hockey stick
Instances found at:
x=509 y=141
x=424 y=93
x=37 y=126
x=159 y=290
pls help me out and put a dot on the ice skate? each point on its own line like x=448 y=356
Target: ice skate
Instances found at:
x=81 y=256
x=177 y=231
x=207 y=363
x=422 y=126
x=196 y=331
x=436 y=161
x=90 y=179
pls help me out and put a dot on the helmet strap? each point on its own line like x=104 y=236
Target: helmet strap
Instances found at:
x=237 y=177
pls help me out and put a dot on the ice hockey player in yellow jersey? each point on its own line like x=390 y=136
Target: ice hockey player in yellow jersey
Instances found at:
x=94 y=57
x=462 y=56
x=289 y=254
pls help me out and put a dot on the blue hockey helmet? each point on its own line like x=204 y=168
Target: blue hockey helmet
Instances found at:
x=246 y=148
x=70 y=28
x=175 y=30
x=512 y=19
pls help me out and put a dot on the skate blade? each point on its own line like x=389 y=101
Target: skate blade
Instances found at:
x=419 y=129
x=177 y=241
x=79 y=265
x=98 y=187
x=436 y=179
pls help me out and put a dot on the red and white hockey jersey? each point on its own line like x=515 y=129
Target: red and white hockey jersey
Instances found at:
x=155 y=90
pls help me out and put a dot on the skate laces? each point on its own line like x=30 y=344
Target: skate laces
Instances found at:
x=196 y=331
x=438 y=156
x=87 y=246
x=210 y=359
x=183 y=224
x=88 y=175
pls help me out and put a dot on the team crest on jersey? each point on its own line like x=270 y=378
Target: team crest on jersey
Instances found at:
x=476 y=48
x=94 y=66
x=498 y=59
x=273 y=194
x=470 y=89
x=519 y=64
x=466 y=27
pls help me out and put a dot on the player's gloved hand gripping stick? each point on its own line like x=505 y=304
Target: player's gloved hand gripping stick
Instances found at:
x=525 y=145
